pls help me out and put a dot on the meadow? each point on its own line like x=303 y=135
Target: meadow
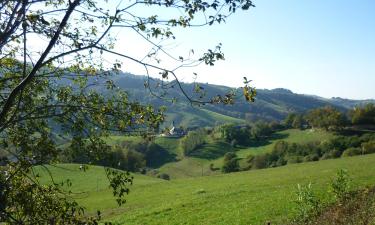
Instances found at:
x=251 y=197
x=213 y=151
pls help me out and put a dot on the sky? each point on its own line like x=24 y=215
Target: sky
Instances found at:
x=320 y=47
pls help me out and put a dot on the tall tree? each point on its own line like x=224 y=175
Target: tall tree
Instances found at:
x=48 y=89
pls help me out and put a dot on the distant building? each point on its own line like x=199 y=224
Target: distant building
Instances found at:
x=175 y=132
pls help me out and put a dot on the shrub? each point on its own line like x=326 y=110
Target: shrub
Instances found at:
x=294 y=159
x=307 y=203
x=260 y=161
x=230 y=163
x=352 y=152
x=311 y=157
x=340 y=185
x=332 y=154
x=163 y=176
x=368 y=147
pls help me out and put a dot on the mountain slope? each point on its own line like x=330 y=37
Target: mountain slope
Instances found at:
x=269 y=105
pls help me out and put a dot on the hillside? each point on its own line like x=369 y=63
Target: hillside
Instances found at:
x=213 y=151
x=173 y=163
x=269 y=105
x=251 y=197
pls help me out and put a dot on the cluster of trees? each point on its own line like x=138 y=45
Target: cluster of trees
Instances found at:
x=286 y=153
x=363 y=115
x=329 y=118
x=192 y=141
x=245 y=135
x=133 y=156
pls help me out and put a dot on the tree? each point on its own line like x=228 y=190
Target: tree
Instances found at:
x=363 y=115
x=50 y=91
x=327 y=118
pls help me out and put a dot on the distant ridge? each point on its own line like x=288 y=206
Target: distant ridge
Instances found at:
x=270 y=105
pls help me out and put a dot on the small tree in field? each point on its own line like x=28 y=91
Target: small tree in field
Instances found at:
x=50 y=90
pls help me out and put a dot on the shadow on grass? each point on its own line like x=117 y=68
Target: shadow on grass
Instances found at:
x=267 y=140
x=218 y=149
x=212 y=150
x=159 y=156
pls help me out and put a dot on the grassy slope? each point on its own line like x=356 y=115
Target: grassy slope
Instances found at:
x=198 y=117
x=292 y=135
x=251 y=197
x=213 y=151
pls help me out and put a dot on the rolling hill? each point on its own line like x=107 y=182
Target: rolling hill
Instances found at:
x=251 y=197
x=269 y=105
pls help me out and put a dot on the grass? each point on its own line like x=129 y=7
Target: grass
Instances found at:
x=251 y=197
x=213 y=151
x=198 y=117
x=291 y=135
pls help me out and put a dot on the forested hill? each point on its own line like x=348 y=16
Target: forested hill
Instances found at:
x=269 y=105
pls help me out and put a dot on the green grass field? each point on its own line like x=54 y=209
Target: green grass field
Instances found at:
x=291 y=135
x=251 y=197
x=213 y=152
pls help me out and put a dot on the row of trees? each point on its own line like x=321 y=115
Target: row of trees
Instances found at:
x=192 y=141
x=330 y=118
x=286 y=153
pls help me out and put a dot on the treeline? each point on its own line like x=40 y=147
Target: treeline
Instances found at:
x=132 y=156
x=288 y=153
x=247 y=134
x=329 y=118
x=192 y=141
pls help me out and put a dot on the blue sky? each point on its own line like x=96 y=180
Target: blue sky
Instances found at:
x=319 y=47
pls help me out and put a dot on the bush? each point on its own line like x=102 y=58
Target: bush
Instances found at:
x=294 y=159
x=312 y=157
x=230 y=163
x=163 y=176
x=352 y=152
x=332 y=154
x=307 y=203
x=260 y=161
x=368 y=147
x=340 y=185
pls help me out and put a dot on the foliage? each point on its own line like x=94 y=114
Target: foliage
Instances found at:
x=164 y=176
x=192 y=141
x=284 y=152
x=230 y=163
x=327 y=118
x=307 y=203
x=368 y=147
x=233 y=132
x=352 y=151
x=53 y=91
x=294 y=120
x=340 y=185
x=43 y=207
x=363 y=115
x=260 y=130
x=348 y=206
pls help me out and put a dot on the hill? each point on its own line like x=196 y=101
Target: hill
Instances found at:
x=212 y=152
x=269 y=105
x=251 y=197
